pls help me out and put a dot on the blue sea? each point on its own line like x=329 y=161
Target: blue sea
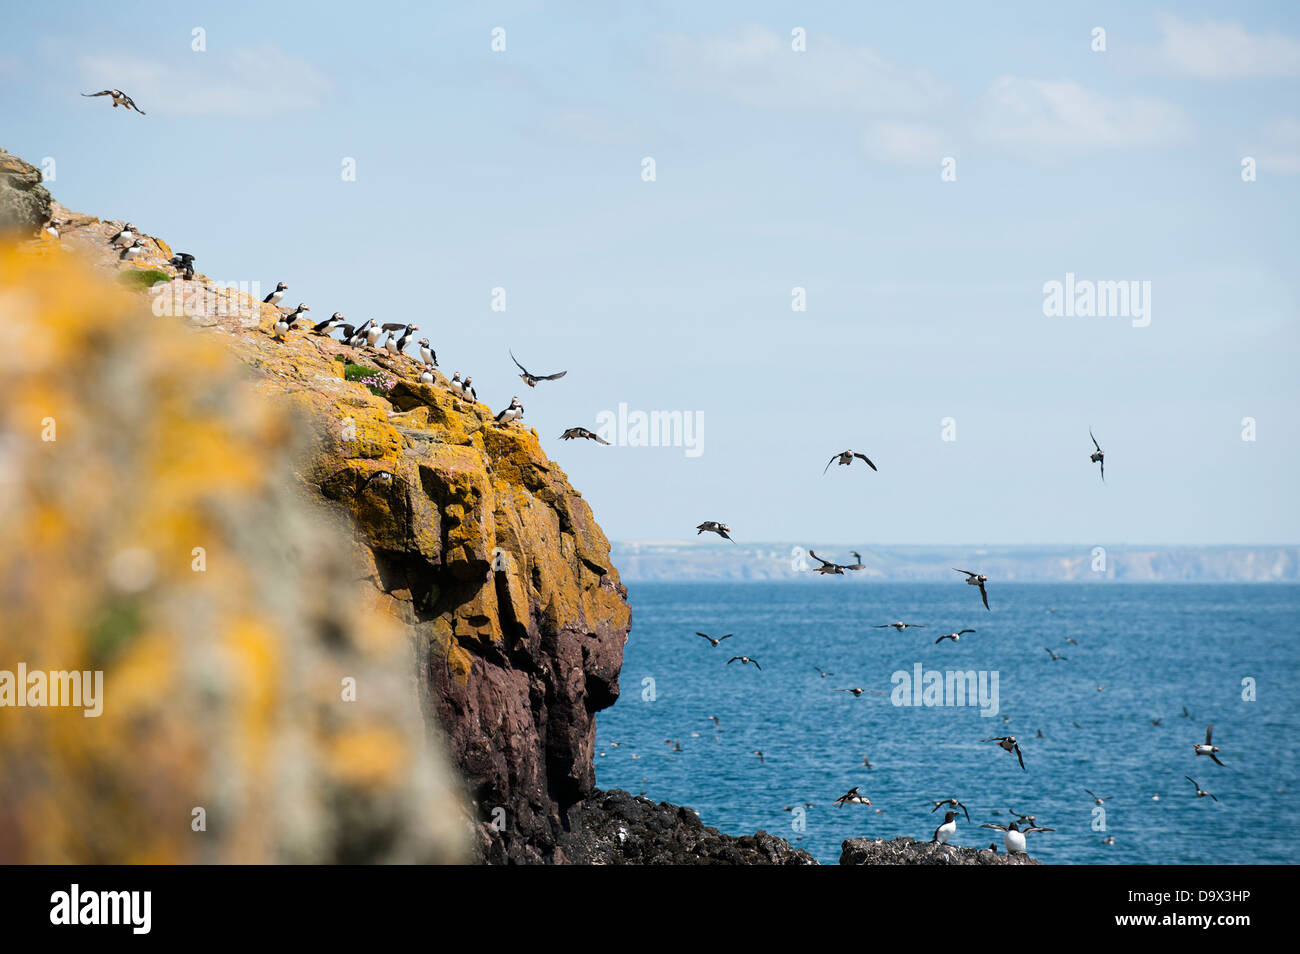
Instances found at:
x=1230 y=653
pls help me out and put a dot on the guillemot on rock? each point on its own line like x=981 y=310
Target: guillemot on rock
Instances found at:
x=1015 y=837
x=947 y=829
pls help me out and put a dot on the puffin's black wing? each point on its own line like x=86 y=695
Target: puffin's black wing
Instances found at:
x=1208 y=732
x=130 y=104
x=985 y=594
x=520 y=366
x=1021 y=758
x=1216 y=760
x=963 y=808
x=994 y=827
x=551 y=377
x=967 y=572
x=103 y=92
x=1094 y=440
x=828 y=464
x=1103 y=469
x=866 y=458
x=820 y=560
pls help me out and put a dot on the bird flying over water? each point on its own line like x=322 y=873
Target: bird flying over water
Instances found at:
x=977 y=579
x=1099 y=457
x=852 y=797
x=1097 y=799
x=712 y=640
x=1208 y=748
x=857 y=691
x=822 y=673
x=712 y=526
x=1200 y=792
x=951 y=803
x=1008 y=743
x=845 y=458
x=119 y=99
x=744 y=661
x=573 y=432
x=955 y=637
x=531 y=379
x=900 y=626
x=1054 y=656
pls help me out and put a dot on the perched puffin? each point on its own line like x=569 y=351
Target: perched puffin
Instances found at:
x=712 y=526
x=1208 y=748
x=286 y=322
x=427 y=354
x=511 y=413
x=184 y=263
x=852 y=797
x=275 y=296
x=1009 y=744
x=531 y=379
x=358 y=337
x=372 y=332
x=119 y=99
x=327 y=326
x=845 y=458
x=947 y=829
x=426 y=376
x=977 y=579
x=125 y=237
x=397 y=346
x=456 y=384
x=1099 y=457
x=467 y=389
x=573 y=432
x=133 y=251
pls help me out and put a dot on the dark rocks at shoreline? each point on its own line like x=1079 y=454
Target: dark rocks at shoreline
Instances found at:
x=908 y=851
x=616 y=828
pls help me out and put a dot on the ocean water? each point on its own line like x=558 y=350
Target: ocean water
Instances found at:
x=1154 y=647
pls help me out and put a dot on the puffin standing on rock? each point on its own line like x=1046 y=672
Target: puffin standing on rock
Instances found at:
x=124 y=237
x=427 y=354
x=467 y=390
x=275 y=296
x=512 y=413
x=133 y=251
x=286 y=322
x=456 y=384
x=327 y=326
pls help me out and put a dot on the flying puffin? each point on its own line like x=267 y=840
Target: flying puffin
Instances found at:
x=744 y=661
x=275 y=296
x=184 y=263
x=1054 y=656
x=947 y=829
x=712 y=641
x=327 y=326
x=977 y=579
x=573 y=432
x=531 y=379
x=721 y=529
x=511 y=413
x=1097 y=799
x=826 y=565
x=119 y=99
x=955 y=637
x=858 y=691
x=900 y=626
x=951 y=803
x=1009 y=744
x=427 y=354
x=1208 y=748
x=852 y=797
x=1099 y=457
x=845 y=458
x=1200 y=792
x=124 y=237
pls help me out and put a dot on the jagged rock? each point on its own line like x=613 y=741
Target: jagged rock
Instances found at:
x=906 y=851
x=615 y=828
x=24 y=202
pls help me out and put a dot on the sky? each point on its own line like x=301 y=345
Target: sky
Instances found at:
x=921 y=172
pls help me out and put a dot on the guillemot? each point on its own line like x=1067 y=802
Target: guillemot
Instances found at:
x=951 y=803
x=713 y=526
x=1099 y=457
x=119 y=99
x=124 y=237
x=1208 y=748
x=977 y=579
x=572 y=432
x=947 y=829
x=1009 y=744
x=713 y=641
x=531 y=379
x=1015 y=837
x=900 y=626
x=1200 y=792
x=845 y=458
x=511 y=413
x=275 y=296
x=955 y=637
x=852 y=797
x=744 y=661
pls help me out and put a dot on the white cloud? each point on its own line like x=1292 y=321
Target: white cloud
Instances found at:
x=1061 y=113
x=250 y=83
x=759 y=68
x=1217 y=50
x=906 y=142
x=1279 y=150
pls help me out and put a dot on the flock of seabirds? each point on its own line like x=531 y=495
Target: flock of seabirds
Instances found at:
x=393 y=339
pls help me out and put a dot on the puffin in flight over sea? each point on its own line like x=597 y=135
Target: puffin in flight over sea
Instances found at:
x=713 y=641
x=744 y=661
x=951 y=803
x=1099 y=457
x=852 y=797
x=721 y=529
x=837 y=568
x=531 y=379
x=1054 y=656
x=1200 y=792
x=900 y=626
x=1009 y=743
x=845 y=458
x=977 y=579
x=573 y=432
x=955 y=637
x=1208 y=748
x=858 y=691
x=119 y=99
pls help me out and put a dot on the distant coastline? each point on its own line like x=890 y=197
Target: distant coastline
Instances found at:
x=683 y=561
